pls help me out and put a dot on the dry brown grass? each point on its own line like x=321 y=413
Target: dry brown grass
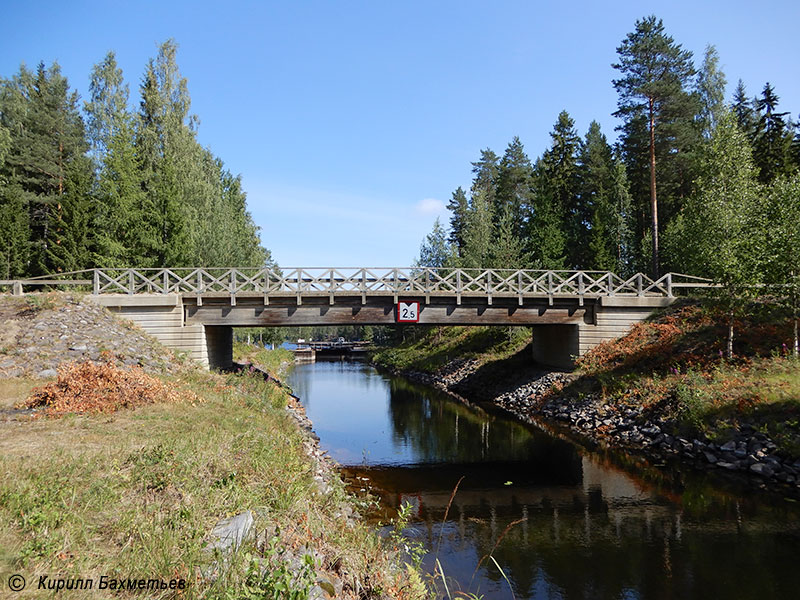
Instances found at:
x=93 y=388
x=136 y=492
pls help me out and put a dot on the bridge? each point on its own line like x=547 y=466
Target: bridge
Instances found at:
x=195 y=309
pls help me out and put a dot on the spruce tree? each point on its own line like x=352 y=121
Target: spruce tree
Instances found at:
x=435 y=251
x=506 y=250
x=485 y=173
x=654 y=74
x=546 y=240
x=123 y=221
x=478 y=233
x=14 y=224
x=773 y=138
x=47 y=176
x=605 y=205
x=742 y=108
x=458 y=207
x=164 y=146
x=513 y=187
x=557 y=225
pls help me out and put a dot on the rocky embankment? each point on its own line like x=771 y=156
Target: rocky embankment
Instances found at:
x=747 y=452
x=40 y=332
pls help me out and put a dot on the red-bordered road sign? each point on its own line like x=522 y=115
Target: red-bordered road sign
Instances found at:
x=408 y=311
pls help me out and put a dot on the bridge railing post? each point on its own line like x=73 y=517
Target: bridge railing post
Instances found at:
x=668 y=279
x=427 y=285
x=639 y=285
x=610 y=280
x=96 y=281
x=581 y=288
x=130 y=281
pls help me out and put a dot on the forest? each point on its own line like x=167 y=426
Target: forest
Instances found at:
x=694 y=183
x=99 y=185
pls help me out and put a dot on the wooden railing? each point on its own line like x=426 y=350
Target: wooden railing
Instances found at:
x=331 y=282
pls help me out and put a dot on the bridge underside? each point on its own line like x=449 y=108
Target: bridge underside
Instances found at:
x=563 y=328
x=285 y=312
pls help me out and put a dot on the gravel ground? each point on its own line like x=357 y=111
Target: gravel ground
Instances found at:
x=40 y=332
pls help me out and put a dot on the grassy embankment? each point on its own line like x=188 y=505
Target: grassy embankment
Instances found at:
x=673 y=364
x=135 y=493
x=431 y=348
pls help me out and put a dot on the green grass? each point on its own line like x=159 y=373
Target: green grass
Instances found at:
x=135 y=494
x=674 y=365
x=434 y=347
x=274 y=361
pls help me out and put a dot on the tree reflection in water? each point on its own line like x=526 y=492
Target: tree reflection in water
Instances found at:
x=590 y=528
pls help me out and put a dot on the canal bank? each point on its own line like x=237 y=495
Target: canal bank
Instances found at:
x=499 y=505
x=664 y=391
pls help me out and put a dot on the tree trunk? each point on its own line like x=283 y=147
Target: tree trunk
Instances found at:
x=795 y=344
x=730 y=335
x=653 y=201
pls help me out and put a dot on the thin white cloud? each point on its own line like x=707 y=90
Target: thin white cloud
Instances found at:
x=430 y=206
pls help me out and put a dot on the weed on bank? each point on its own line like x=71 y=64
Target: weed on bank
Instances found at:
x=130 y=498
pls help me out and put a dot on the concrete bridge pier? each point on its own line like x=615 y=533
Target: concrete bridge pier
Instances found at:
x=557 y=345
x=219 y=346
x=162 y=316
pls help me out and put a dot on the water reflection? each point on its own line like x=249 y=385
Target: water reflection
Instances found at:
x=588 y=529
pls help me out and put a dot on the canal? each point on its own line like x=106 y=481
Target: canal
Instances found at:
x=535 y=514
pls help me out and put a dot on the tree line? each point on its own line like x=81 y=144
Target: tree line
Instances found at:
x=102 y=185
x=586 y=203
x=693 y=184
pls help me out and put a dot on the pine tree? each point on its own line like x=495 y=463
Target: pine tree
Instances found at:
x=655 y=72
x=711 y=84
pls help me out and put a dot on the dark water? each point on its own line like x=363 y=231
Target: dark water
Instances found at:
x=587 y=525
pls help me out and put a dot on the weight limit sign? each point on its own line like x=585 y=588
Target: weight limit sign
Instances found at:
x=408 y=312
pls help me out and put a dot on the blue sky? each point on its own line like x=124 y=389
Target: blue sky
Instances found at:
x=352 y=122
